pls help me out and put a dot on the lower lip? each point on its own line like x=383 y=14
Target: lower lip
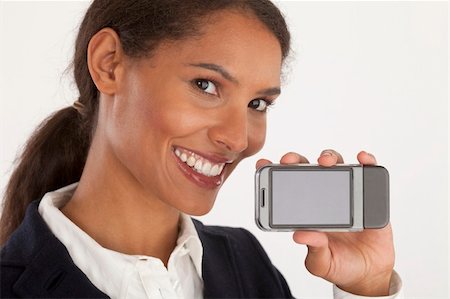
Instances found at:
x=197 y=178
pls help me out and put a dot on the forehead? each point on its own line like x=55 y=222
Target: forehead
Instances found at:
x=237 y=41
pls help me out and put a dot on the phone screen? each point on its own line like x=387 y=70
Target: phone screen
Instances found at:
x=311 y=197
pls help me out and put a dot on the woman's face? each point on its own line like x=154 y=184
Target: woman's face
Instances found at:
x=185 y=117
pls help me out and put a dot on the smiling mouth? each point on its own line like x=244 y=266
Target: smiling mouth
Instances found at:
x=199 y=163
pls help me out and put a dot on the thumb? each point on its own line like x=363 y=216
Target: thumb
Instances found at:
x=319 y=258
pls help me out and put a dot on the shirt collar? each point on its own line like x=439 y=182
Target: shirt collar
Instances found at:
x=189 y=239
x=95 y=260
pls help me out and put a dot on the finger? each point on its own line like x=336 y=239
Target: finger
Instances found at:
x=319 y=256
x=366 y=158
x=311 y=238
x=261 y=162
x=293 y=158
x=329 y=158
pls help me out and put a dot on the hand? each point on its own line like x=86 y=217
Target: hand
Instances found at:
x=360 y=263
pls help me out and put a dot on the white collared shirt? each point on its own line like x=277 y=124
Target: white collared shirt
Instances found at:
x=120 y=275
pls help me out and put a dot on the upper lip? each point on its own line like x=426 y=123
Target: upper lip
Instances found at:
x=213 y=157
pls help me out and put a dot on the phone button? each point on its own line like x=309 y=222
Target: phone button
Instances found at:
x=262 y=197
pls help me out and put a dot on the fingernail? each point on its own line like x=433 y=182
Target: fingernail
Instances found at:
x=327 y=153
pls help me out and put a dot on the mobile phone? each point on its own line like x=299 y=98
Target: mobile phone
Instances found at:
x=313 y=197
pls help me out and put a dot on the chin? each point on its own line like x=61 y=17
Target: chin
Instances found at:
x=199 y=208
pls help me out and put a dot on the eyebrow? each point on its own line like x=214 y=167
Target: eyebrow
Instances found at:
x=274 y=91
x=216 y=68
x=224 y=73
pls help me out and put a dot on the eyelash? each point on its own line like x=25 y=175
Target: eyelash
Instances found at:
x=269 y=103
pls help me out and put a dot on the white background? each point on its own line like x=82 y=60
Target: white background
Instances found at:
x=364 y=75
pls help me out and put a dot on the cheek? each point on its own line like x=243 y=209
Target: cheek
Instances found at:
x=131 y=134
x=256 y=136
x=169 y=112
x=178 y=121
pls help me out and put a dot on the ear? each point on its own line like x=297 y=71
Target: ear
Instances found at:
x=105 y=59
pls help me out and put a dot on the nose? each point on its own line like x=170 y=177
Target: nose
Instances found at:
x=230 y=131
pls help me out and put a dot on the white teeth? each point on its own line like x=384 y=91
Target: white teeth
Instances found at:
x=199 y=164
x=206 y=168
x=191 y=161
x=214 y=170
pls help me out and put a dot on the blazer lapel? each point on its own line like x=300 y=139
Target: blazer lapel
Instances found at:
x=52 y=274
x=220 y=278
x=48 y=269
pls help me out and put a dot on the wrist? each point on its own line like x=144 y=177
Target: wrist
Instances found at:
x=374 y=286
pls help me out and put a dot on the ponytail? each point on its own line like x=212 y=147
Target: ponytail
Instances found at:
x=53 y=157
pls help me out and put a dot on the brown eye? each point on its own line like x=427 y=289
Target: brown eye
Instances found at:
x=258 y=104
x=206 y=86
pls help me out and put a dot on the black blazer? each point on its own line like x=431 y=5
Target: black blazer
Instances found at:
x=34 y=263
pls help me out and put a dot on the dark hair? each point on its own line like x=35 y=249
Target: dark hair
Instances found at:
x=56 y=153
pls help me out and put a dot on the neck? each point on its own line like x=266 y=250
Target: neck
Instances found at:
x=111 y=207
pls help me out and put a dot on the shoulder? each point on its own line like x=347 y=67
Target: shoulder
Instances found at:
x=240 y=242
x=244 y=257
x=233 y=233
x=243 y=242
x=21 y=248
x=237 y=233
x=31 y=235
x=34 y=263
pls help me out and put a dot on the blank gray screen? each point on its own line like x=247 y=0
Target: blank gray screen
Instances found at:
x=310 y=197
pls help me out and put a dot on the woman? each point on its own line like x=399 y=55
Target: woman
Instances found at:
x=173 y=95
